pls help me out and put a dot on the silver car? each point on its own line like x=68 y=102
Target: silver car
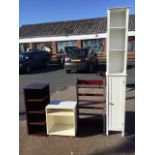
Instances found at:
x=80 y=59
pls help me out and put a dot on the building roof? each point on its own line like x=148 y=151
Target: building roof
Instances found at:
x=72 y=27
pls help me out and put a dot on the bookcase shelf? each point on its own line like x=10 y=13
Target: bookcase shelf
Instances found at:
x=38 y=99
x=61 y=113
x=37 y=96
x=38 y=123
x=115 y=50
x=117 y=28
x=36 y=112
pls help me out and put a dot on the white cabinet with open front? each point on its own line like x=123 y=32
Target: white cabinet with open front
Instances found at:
x=61 y=118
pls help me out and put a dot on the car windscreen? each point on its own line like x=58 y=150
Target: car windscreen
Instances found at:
x=77 y=53
x=67 y=49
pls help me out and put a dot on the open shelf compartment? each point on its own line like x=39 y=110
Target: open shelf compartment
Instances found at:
x=117 y=39
x=60 y=125
x=116 y=65
x=118 y=18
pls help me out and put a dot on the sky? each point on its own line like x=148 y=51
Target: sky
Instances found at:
x=41 y=11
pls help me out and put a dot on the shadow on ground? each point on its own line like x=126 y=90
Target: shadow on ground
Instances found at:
x=46 y=70
x=90 y=126
x=22 y=115
x=130 y=66
x=131 y=86
x=128 y=145
x=100 y=70
x=130 y=123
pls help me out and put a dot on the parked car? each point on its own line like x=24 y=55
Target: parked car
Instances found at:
x=32 y=60
x=80 y=59
x=67 y=49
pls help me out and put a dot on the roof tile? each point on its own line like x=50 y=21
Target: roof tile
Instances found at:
x=73 y=27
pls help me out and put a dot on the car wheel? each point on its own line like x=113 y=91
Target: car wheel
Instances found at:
x=97 y=64
x=47 y=64
x=91 y=68
x=28 y=69
x=67 y=71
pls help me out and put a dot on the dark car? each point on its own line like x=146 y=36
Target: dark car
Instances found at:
x=32 y=60
x=80 y=59
x=62 y=54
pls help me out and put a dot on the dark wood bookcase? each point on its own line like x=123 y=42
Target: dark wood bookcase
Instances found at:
x=37 y=96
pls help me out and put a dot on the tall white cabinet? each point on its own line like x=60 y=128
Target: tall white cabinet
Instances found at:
x=117 y=39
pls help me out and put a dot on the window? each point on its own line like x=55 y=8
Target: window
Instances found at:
x=36 y=46
x=62 y=44
x=97 y=45
x=131 y=44
x=77 y=53
x=23 y=47
x=47 y=46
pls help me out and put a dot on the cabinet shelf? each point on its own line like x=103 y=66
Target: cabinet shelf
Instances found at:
x=60 y=113
x=117 y=28
x=38 y=123
x=38 y=99
x=64 y=130
x=117 y=38
x=116 y=50
x=36 y=111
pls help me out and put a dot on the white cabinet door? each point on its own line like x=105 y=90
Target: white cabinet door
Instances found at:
x=116 y=103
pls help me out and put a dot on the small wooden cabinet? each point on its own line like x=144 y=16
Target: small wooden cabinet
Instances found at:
x=37 y=96
x=61 y=118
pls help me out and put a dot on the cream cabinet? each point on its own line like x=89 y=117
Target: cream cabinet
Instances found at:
x=117 y=28
x=61 y=118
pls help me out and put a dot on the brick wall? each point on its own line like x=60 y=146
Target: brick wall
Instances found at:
x=54 y=48
x=79 y=43
x=30 y=46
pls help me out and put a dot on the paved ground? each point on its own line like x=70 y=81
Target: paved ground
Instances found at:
x=59 y=80
x=62 y=86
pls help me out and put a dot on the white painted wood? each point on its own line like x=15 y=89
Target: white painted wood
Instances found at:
x=108 y=42
x=60 y=104
x=107 y=105
x=117 y=28
x=116 y=65
x=118 y=18
x=116 y=103
x=61 y=118
x=117 y=39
